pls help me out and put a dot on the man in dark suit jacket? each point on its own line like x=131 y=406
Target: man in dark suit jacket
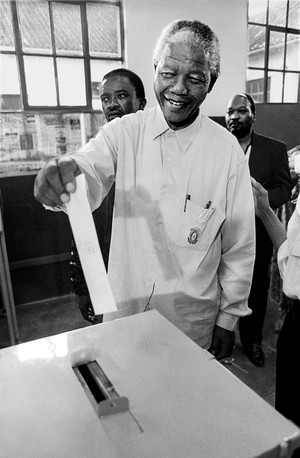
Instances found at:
x=268 y=163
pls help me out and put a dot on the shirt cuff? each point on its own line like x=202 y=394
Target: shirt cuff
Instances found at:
x=58 y=208
x=227 y=321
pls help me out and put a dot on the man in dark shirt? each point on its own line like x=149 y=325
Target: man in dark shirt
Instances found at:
x=122 y=92
x=268 y=163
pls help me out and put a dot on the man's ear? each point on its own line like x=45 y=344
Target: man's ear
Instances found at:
x=143 y=103
x=213 y=79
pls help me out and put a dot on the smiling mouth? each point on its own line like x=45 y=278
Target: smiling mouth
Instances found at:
x=176 y=103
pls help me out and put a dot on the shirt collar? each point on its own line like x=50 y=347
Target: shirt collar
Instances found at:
x=185 y=136
x=159 y=124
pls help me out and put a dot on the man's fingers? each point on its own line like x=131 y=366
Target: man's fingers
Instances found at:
x=55 y=181
x=68 y=171
x=213 y=351
x=224 y=352
x=258 y=188
x=43 y=191
x=55 y=176
x=256 y=185
x=222 y=355
x=51 y=199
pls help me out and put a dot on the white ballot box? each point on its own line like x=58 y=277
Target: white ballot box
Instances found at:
x=131 y=388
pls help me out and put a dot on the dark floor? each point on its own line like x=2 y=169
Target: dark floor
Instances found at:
x=57 y=316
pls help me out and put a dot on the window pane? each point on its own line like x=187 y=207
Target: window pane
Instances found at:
x=256 y=46
x=71 y=82
x=39 y=74
x=67 y=28
x=104 y=30
x=10 y=93
x=6 y=29
x=276 y=50
x=99 y=68
x=293 y=52
x=294 y=14
x=255 y=85
x=35 y=26
x=291 y=87
x=257 y=11
x=277 y=12
x=275 y=81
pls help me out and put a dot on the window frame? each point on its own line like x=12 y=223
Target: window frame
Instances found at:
x=266 y=67
x=86 y=57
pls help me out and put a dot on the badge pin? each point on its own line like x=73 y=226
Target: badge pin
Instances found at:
x=194 y=235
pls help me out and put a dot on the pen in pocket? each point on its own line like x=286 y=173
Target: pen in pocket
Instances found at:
x=187 y=197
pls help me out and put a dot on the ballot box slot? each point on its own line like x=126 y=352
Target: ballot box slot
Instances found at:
x=99 y=389
x=113 y=411
x=97 y=392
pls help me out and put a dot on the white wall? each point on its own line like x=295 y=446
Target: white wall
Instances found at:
x=144 y=19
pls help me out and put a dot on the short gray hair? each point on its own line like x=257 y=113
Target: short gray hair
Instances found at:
x=191 y=32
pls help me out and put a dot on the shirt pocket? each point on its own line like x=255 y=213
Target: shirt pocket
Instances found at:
x=197 y=228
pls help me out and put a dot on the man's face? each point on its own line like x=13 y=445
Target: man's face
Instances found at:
x=118 y=97
x=181 y=83
x=239 y=117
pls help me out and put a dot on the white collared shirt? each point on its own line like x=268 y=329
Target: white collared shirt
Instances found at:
x=288 y=256
x=248 y=152
x=193 y=264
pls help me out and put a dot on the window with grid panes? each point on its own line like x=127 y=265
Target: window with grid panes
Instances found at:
x=55 y=53
x=274 y=51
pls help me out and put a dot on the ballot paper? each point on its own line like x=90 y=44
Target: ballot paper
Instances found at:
x=88 y=248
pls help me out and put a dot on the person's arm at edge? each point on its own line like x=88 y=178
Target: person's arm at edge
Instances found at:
x=273 y=226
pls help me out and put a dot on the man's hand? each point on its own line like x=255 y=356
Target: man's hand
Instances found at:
x=87 y=310
x=56 y=181
x=222 y=344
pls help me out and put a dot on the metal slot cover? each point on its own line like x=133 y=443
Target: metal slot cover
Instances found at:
x=99 y=389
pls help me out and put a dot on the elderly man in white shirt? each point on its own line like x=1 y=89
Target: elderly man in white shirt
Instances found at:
x=183 y=227
x=287 y=396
